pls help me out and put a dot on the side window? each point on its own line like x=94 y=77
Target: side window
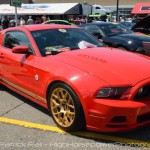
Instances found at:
x=98 y=8
x=15 y=38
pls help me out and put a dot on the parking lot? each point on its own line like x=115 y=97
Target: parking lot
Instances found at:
x=25 y=125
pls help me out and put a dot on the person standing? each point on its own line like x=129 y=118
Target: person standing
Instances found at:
x=44 y=19
x=12 y=22
x=5 y=23
x=30 y=20
x=37 y=20
x=22 y=21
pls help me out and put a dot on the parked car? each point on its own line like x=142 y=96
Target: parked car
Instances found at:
x=73 y=75
x=118 y=36
x=78 y=21
x=63 y=22
x=143 y=26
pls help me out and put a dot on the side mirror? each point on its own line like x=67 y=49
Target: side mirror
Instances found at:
x=20 y=49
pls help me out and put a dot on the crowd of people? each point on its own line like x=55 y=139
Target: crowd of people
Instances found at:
x=6 y=21
x=9 y=21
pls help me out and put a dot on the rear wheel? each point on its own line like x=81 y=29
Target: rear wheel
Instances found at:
x=65 y=108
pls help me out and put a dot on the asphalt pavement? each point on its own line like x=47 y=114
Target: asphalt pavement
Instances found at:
x=25 y=125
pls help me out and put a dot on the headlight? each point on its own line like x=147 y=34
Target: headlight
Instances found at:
x=130 y=42
x=111 y=92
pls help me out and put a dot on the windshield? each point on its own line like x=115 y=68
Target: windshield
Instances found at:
x=53 y=41
x=114 y=29
x=128 y=24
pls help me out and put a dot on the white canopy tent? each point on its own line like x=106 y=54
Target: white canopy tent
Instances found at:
x=41 y=9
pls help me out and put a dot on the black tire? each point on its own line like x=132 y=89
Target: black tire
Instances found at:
x=1 y=87
x=65 y=108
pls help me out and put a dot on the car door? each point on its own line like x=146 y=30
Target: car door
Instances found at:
x=17 y=69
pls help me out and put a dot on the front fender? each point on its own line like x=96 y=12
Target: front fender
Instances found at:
x=83 y=84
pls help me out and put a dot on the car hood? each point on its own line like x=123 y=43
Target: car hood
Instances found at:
x=111 y=65
x=134 y=37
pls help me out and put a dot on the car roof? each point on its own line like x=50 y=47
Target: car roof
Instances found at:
x=98 y=23
x=56 y=21
x=36 y=27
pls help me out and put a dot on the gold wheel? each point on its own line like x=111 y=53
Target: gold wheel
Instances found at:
x=62 y=107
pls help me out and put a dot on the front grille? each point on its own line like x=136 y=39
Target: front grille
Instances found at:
x=143 y=93
x=118 y=119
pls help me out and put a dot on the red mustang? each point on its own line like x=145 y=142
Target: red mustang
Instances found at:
x=71 y=73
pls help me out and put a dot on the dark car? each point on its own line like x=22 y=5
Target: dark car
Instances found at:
x=142 y=26
x=117 y=35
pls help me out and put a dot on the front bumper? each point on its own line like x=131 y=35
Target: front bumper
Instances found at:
x=117 y=115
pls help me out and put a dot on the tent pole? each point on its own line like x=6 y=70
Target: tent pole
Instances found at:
x=117 y=11
x=16 y=15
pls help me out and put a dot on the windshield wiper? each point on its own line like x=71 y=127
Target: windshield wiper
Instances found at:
x=57 y=51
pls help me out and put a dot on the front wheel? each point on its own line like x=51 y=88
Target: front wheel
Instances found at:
x=1 y=87
x=66 y=108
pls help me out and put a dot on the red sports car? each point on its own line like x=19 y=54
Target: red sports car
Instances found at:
x=71 y=73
